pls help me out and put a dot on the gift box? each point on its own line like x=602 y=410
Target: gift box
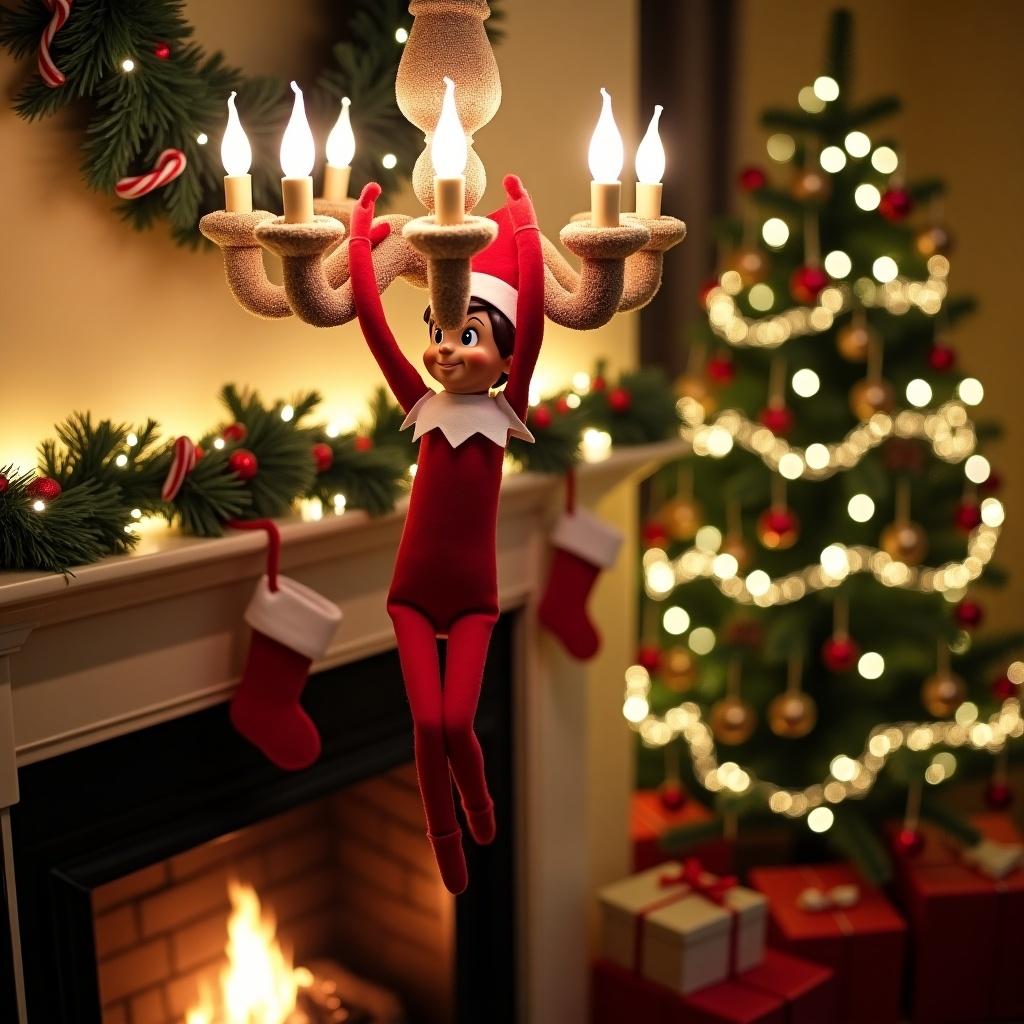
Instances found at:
x=680 y=926
x=650 y=820
x=863 y=943
x=965 y=925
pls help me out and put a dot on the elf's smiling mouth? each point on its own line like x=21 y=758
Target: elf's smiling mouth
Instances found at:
x=449 y=366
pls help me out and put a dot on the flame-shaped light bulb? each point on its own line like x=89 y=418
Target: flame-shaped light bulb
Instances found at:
x=235 y=151
x=448 y=151
x=341 y=143
x=650 y=169
x=298 y=151
x=606 y=154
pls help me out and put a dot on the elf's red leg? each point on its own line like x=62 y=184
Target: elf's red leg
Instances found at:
x=417 y=650
x=468 y=640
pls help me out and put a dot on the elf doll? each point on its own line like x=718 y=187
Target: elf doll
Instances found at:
x=445 y=580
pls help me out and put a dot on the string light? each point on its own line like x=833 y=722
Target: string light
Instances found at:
x=761 y=298
x=121 y=461
x=871 y=665
x=676 y=620
x=288 y=413
x=884 y=160
x=826 y=88
x=919 y=392
x=857 y=144
x=127 y=65
x=861 y=508
x=702 y=640
x=219 y=443
x=401 y=35
x=832 y=159
x=867 y=196
x=202 y=139
x=838 y=264
x=596 y=445
x=781 y=147
x=970 y=391
x=806 y=383
x=775 y=232
x=885 y=269
x=389 y=161
x=977 y=469
x=132 y=439
x=809 y=100
x=38 y=506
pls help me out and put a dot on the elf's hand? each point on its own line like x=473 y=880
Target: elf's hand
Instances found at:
x=361 y=225
x=520 y=206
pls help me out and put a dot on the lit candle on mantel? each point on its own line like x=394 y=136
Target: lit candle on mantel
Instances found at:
x=650 y=169
x=236 y=155
x=449 y=154
x=605 y=159
x=298 y=154
x=341 y=148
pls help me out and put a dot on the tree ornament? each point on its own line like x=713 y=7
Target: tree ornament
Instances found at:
x=992 y=484
x=778 y=528
x=170 y=164
x=933 y=241
x=968 y=614
x=363 y=443
x=967 y=516
x=807 y=283
x=792 y=715
x=905 y=541
x=870 y=396
x=48 y=70
x=200 y=453
x=234 y=432
x=682 y=518
x=896 y=204
x=732 y=720
x=708 y=285
x=840 y=653
x=810 y=184
x=744 y=632
x=44 y=488
x=4 y=484
x=943 y=693
x=649 y=657
x=653 y=533
x=736 y=545
x=721 y=370
x=183 y=461
x=1003 y=687
x=671 y=795
x=677 y=668
x=855 y=340
x=752 y=179
x=998 y=795
x=909 y=842
x=777 y=418
x=692 y=386
x=941 y=358
x=598 y=384
x=620 y=400
x=161 y=51
x=541 y=417
x=903 y=455
x=562 y=405
x=751 y=264
x=243 y=463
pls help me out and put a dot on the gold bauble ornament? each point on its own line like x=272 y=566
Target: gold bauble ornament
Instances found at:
x=906 y=542
x=681 y=517
x=677 y=669
x=943 y=693
x=778 y=528
x=933 y=241
x=733 y=720
x=734 y=544
x=792 y=715
x=870 y=396
x=810 y=184
x=750 y=264
x=854 y=341
x=689 y=386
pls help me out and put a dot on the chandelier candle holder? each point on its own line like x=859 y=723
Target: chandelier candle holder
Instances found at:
x=620 y=255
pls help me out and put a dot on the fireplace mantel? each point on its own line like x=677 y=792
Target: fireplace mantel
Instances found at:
x=139 y=639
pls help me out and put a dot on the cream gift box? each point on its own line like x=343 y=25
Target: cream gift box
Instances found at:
x=682 y=927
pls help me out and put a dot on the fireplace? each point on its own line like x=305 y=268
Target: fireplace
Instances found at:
x=124 y=851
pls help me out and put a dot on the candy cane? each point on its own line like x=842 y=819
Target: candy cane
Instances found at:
x=182 y=463
x=169 y=164
x=50 y=73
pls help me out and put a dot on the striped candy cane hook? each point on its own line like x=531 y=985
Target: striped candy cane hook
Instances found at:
x=48 y=70
x=169 y=164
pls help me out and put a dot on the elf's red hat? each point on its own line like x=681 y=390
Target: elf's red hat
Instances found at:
x=495 y=271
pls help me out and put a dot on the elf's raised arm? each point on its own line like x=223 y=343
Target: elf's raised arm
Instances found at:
x=406 y=384
x=530 y=305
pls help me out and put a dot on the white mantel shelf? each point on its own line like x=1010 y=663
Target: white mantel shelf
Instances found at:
x=159 y=633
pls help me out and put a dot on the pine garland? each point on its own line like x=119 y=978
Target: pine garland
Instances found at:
x=173 y=98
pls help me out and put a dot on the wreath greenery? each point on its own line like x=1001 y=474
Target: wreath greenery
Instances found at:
x=173 y=98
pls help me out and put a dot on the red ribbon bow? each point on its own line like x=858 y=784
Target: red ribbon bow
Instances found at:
x=693 y=875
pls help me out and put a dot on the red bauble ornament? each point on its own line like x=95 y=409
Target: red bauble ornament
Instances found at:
x=44 y=488
x=777 y=418
x=364 y=443
x=968 y=614
x=323 y=456
x=243 y=463
x=998 y=795
x=620 y=400
x=541 y=417
x=706 y=288
x=840 y=653
x=942 y=358
x=4 y=484
x=778 y=528
x=654 y=534
x=752 y=179
x=1003 y=687
x=967 y=516
x=649 y=657
x=562 y=405
x=992 y=484
x=807 y=283
x=896 y=204
x=909 y=842
x=598 y=384
x=199 y=453
x=671 y=795
x=234 y=432
x=720 y=370
x=161 y=51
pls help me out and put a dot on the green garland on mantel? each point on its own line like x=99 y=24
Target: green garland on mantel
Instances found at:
x=96 y=480
x=173 y=98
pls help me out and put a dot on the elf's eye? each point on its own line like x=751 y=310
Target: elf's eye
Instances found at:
x=438 y=335
x=470 y=337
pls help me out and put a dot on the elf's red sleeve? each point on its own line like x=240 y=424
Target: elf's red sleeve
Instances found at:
x=530 y=306
x=406 y=384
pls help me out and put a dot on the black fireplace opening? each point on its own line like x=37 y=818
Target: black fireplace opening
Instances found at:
x=94 y=829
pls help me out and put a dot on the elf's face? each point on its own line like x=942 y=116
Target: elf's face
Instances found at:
x=466 y=361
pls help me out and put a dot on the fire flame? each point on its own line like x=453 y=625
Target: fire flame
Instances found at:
x=259 y=985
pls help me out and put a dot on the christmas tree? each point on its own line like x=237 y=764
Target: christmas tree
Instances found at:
x=812 y=570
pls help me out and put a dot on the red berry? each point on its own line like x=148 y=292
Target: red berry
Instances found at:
x=721 y=370
x=649 y=657
x=323 y=456
x=998 y=795
x=620 y=400
x=598 y=384
x=909 y=842
x=562 y=405
x=161 y=51
x=752 y=179
x=896 y=204
x=44 y=488
x=541 y=417
x=672 y=796
x=777 y=418
x=942 y=358
x=199 y=453
x=840 y=654
x=967 y=516
x=654 y=534
x=234 y=432
x=364 y=443
x=968 y=614
x=807 y=283
x=243 y=463
x=1003 y=687
x=4 y=484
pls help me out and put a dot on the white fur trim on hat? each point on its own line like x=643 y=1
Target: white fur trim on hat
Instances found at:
x=584 y=535
x=498 y=293
x=294 y=615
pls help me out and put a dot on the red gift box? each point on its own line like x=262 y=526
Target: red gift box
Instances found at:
x=965 y=925
x=807 y=988
x=650 y=820
x=862 y=944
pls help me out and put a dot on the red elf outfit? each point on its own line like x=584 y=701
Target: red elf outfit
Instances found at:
x=445 y=580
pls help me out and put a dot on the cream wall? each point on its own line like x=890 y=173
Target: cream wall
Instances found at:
x=127 y=325
x=957 y=68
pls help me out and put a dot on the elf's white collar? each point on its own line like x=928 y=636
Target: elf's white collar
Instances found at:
x=461 y=416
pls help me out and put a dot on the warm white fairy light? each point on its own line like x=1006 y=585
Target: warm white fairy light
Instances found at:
x=581 y=382
x=970 y=391
x=919 y=392
x=781 y=147
x=885 y=269
x=806 y=383
x=288 y=413
x=131 y=439
x=835 y=562
x=708 y=538
x=340 y=502
x=121 y=461
x=992 y=513
x=867 y=196
x=837 y=264
x=832 y=159
x=977 y=469
x=596 y=445
x=572 y=400
x=791 y=466
x=676 y=620
x=884 y=160
x=758 y=583
x=389 y=161
x=775 y=232
x=809 y=100
x=871 y=665
x=861 y=508
x=719 y=442
x=702 y=640
x=857 y=144
x=761 y=297
x=202 y=139
x=401 y=35
x=826 y=88
x=725 y=566
x=817 y=456
x=127 y=65
x=38 y=505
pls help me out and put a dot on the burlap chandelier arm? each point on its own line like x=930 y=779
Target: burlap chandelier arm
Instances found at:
x=385 y=258
x=235 y=235
x=643 y=268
